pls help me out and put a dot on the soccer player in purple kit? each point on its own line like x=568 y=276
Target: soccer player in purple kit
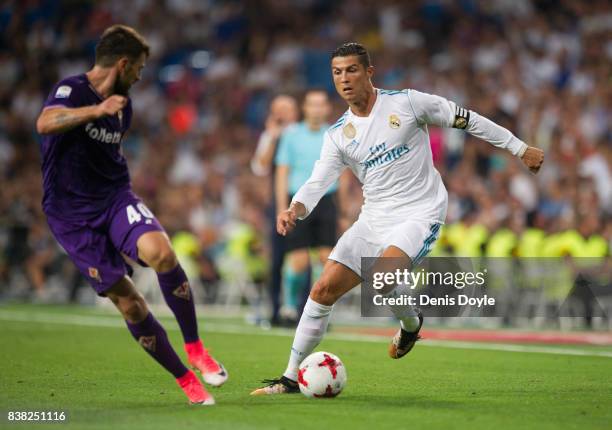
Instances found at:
x=95 y=216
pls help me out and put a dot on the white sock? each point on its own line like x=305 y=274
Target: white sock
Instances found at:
x=309 y=332
x=407 y=315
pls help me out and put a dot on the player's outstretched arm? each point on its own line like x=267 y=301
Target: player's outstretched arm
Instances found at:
x=56 y=119
x=436 y=110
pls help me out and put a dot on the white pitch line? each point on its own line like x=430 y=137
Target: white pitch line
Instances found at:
x=115 y=322
x=516 y=348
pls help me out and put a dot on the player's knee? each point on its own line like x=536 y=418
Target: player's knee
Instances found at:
x=167 y=260
x=162 y=259
x=154 y=249
x=323 y=292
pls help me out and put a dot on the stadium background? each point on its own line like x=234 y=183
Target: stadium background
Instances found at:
x=540 y=68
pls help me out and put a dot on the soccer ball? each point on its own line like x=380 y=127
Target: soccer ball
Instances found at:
x=321 y=374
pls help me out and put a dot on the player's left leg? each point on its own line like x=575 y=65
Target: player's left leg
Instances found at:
x=155 y=250
x=410 y=318
x=408 y=243
x=149 y=333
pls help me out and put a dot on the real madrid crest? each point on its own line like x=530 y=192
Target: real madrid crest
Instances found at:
x=349 y=131
x=394 y=121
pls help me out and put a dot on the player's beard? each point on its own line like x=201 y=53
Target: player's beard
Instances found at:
x=122 y=87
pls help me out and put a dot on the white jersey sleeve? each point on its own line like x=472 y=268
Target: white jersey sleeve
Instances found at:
x=436 y=110
x=326 y=171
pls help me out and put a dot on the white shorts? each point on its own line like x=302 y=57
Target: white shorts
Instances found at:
x=415 y=238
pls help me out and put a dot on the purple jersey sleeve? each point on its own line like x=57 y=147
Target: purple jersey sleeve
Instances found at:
x=64 y=94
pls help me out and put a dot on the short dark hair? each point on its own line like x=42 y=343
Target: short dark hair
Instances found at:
x=353 y=48
x=120 y=41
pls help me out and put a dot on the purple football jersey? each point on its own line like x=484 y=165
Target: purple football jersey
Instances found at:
x=83 y=168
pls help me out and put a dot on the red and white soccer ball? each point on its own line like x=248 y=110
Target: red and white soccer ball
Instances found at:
x=321 y=374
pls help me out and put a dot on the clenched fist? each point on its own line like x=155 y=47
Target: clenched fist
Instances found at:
x=111 y=105
x=533 y=158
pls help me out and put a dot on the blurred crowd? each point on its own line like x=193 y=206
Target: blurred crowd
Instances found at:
x=539 y=68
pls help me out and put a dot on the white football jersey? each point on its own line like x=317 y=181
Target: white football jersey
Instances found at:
x=389 y=152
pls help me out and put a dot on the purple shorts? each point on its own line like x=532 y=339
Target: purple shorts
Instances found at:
x=95 y=245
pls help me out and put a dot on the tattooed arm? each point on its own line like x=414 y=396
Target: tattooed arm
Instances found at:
x=59 y=119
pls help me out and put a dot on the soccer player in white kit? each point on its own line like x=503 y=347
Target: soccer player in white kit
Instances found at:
x=383 y=139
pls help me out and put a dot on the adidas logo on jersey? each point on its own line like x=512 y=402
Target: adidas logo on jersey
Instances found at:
x=101 y=135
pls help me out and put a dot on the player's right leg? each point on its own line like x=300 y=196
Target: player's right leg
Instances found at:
x=410 y=318
x=407 y=245
x=147 y=331
x=336 y=280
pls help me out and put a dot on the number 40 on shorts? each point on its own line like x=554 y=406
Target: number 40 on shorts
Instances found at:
x=134 y=215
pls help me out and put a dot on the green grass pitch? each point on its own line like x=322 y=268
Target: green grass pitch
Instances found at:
x=100 y=376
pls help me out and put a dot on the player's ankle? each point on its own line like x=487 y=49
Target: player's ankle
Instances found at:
x=291 y=375
x=410 y=324
x=195 y=348
x=186 y=378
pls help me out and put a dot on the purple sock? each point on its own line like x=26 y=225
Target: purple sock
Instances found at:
x=176 y=290
x=152 y=337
